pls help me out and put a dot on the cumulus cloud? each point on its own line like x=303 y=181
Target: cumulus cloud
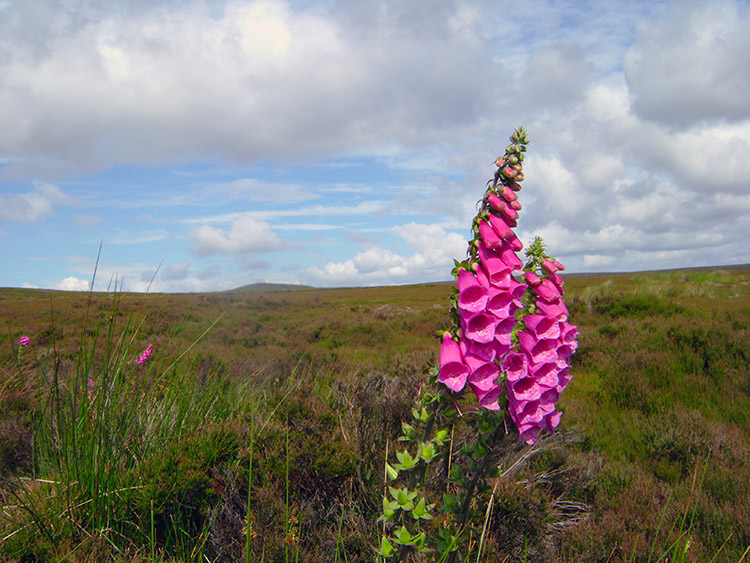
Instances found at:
x=246 y=81
x=72 y=283
x=435 y=251
x=33 y=206
x=691 y=65
x=246 y=235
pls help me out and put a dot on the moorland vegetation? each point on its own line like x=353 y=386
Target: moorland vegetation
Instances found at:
x=258 y=427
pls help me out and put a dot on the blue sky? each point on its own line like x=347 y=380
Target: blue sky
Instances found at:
x=208 y=145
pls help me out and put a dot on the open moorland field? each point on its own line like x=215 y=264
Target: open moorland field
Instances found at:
x=258 y=428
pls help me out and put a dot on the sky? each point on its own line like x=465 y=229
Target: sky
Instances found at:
x=205 y=145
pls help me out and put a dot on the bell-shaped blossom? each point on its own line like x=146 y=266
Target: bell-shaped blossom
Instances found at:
x=507 y=194
x=472 y=295
x=504 y=331
x=542 y=326
x=527 y=389
x=556 y=310
x=488 y=399
x=24 y=341
x=547 y=292
x=546 y=375
x=484 y=351
x=501 y=303
x=502 y=228
x=538 y=350
x=453 y=370
x=532 y=279
x=488 y=235
x=516 y=366
x=483 y=374
x=480 y=327
x=497 y=271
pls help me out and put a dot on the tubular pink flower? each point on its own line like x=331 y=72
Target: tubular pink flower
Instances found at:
x=483 y=375
x=547 y=292
x=515 y=205
x=488 y=235
x=480 y=328
x=539 y=351
x=546 y=375
x=556 y=310
x=514 y=242
x=488 y=399
x=24 y=341
x=516 y=366
x=504 y=331
x=501 y=206
x=553 y=421
x=502 y=228
x=486 y=352
x=501 y=303
x=146 y=355
x=527 y=389
x=507 y=194
x=472 y=296
x=498 y=272
x=532 y=279
x=542 y=326
x=550 y=266
x=568 y=332
x=453 y=370
x=508 y=255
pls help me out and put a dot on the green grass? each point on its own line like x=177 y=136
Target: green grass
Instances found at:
x=283 y=401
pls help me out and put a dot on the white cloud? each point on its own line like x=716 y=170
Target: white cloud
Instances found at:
x=33 y=206
x=691 y=65
x=245 y=235
x=175 y=271
x=72 y=283
x=433 y=261
x=243 y=81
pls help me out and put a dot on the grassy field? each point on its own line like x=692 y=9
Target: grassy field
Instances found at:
x=257 y=430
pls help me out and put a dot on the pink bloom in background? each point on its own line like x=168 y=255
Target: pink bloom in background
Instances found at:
x=24 y=341
x=146 y=355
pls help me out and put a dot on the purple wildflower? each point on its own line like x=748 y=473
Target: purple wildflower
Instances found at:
x=24 y=341
x=146 y=355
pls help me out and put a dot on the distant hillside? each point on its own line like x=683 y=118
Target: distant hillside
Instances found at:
x=268 y=287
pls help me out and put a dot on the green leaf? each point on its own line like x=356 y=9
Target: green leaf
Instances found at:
x=403 y=536
x=421 y=511
x=441 y=436
x=406 y=462
x=386 y=548
x=427 y=451
x=389 y=508
x=391 y=471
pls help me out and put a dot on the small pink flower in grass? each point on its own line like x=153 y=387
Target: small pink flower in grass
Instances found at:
x=453 y=369
x=24 y=341
x=146 y=355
